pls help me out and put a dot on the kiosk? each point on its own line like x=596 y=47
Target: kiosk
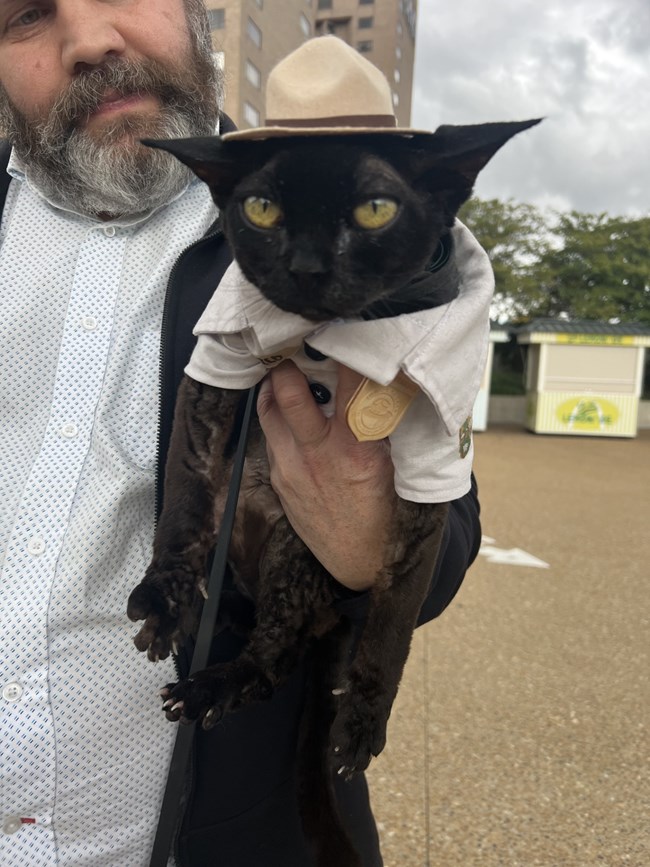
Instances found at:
x=583 y=378
x=498 y=334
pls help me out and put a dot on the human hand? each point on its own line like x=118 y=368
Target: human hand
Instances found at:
x=337 y=493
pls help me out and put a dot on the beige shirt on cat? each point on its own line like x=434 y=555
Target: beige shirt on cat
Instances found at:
x=241 y=335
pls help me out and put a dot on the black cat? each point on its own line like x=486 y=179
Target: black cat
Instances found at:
x=330 y=227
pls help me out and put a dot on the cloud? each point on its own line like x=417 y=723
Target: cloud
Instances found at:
x=584 y=66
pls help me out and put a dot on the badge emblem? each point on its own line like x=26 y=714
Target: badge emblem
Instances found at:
x=465 y=437
x=374 y=410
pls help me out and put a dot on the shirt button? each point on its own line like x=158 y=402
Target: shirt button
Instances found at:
x=69 y=430
x=320 y=392
x=109 y=231
x=314 y=354
x=89 y=323
x=36 y=546
x=12 y=691
x=11 y=824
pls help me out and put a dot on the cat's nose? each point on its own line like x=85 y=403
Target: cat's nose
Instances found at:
x=307 y=262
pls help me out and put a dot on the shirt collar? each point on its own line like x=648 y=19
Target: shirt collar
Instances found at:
x=443 y=349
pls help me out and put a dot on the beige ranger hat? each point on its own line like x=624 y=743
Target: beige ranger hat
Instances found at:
x=325 y=87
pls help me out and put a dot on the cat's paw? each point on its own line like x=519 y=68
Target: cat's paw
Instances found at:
x=209 y=695
x=167 y=602
x=358 y=733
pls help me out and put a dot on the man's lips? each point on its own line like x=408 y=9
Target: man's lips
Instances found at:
x=115 y=102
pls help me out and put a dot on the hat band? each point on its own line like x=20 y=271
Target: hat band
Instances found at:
x=364 y=120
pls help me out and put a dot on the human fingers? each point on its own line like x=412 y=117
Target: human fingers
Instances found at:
x=286 y=406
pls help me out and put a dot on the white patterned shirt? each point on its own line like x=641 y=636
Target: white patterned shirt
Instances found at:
x=84 y=746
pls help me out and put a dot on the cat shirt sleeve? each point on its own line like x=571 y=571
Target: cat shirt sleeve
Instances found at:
x=241 y=335
x=224 y=361
x=431 y=465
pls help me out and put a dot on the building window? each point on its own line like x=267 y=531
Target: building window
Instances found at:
x=366 y=23
x=396 y=75
x=218 y=59
x=260 y=3
x=305 y=26
x=217 y=18
x=253 y=74
x=365 y=46
x=324 y=4
x=398 y=53
x=251 y=114
x=365 y=2
x=395 y=99
x=254 y=33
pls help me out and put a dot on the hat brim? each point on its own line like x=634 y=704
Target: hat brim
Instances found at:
x=264 y=132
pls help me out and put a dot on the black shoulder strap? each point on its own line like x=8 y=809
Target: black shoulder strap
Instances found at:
x=169 y=812
x=5 y=179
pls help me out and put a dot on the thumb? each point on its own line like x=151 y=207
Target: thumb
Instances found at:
x=286 y=407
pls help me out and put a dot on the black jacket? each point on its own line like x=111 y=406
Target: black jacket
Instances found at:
x=241 y=809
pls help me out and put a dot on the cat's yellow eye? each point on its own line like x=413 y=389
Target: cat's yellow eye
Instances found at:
x=375 y=214
x=262 y=213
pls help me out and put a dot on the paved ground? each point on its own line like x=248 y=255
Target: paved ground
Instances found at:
x=520 y=735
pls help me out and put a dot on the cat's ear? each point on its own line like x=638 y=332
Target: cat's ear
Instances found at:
x=209 y=158
x=452 y=157
x=469 y=148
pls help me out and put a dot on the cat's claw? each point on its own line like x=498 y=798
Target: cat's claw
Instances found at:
x=165 y=600
x=358 y=733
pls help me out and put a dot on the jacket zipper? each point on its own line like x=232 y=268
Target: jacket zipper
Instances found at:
x=211 y=235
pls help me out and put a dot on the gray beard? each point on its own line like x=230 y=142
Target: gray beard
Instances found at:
x=112 y=174
x=106 y=177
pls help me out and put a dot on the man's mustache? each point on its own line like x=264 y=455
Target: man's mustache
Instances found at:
x=121 y=78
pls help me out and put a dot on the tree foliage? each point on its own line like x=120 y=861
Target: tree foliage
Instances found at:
x=602 y=269
x=573 y=265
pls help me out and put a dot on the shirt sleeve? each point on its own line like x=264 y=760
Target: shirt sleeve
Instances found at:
x=225 y=362
x=431 y=465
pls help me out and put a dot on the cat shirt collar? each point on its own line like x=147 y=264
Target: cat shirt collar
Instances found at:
x=442 y=349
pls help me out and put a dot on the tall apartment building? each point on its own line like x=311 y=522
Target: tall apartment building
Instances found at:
x=251 y=36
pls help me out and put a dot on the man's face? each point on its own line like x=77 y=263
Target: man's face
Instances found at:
x=82 y=80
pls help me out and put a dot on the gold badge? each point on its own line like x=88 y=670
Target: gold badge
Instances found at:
x=465 y=437
x=279 y=355
x=374 y=410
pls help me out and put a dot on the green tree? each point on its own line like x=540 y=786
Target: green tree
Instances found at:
x=516 y=237
x=600 y=269
x=580 y=266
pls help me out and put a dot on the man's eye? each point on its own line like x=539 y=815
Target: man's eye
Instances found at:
x=262 y=213
x=375 y=214
x=27 y=18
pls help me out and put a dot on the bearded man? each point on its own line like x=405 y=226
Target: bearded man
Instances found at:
x=108 y=254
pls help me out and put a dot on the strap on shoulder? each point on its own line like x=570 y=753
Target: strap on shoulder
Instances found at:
x=5 y=179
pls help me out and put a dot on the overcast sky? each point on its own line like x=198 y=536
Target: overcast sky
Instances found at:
x=584 y=65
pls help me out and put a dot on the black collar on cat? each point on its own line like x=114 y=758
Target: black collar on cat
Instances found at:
x=438 y=284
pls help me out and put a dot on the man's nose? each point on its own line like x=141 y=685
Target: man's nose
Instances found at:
x=90 y=34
